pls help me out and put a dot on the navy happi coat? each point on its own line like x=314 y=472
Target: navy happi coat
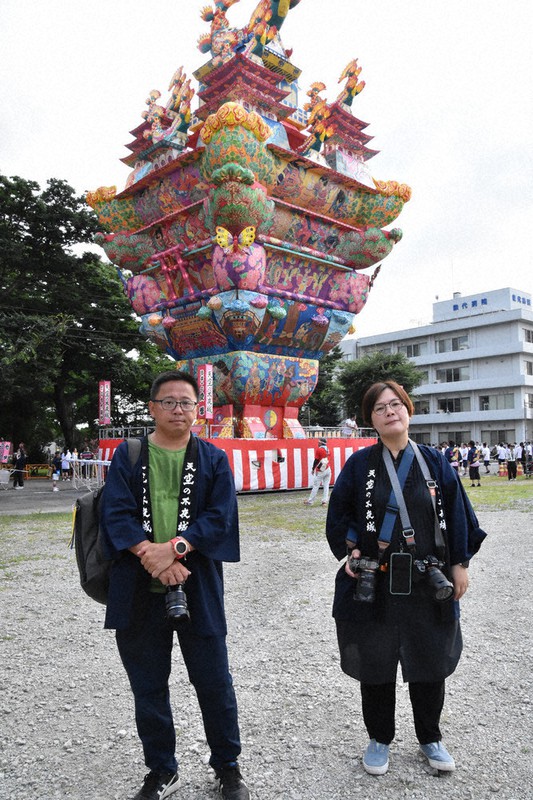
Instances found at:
x=214 y=533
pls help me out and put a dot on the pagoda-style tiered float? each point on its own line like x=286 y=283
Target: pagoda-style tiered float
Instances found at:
x=243 y=228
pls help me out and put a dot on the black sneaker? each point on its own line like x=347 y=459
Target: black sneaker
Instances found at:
x=158 y=785
x=232 y=786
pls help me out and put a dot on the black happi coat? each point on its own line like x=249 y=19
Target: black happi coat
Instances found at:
x=422 y=635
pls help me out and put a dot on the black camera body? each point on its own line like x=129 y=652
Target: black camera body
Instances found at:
x=437 y=583
x=176 y=605
x=366 y=570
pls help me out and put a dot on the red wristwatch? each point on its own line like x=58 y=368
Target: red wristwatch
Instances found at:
x=180 y=546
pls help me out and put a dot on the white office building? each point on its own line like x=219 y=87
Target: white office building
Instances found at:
x=477 y=360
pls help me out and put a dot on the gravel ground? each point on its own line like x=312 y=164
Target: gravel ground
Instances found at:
x=67 y=727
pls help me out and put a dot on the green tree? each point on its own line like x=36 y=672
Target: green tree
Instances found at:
x=355 y=377
x=325 y=404
x=65 y=322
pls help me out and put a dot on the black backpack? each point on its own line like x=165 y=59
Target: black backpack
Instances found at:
x=93 y=567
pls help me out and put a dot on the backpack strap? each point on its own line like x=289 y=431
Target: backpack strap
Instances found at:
x=134 y=450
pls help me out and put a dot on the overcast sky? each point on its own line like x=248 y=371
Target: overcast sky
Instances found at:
x=448 y=99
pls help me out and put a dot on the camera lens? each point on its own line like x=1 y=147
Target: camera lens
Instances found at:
x=176 y=605
x=441 y=587
x=366 y=586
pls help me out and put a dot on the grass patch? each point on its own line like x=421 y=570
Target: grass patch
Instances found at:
x=46 y=523
x=497 y=494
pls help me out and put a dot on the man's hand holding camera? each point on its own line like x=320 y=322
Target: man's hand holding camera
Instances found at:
x=160 y=560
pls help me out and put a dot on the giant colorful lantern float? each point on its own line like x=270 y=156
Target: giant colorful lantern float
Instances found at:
x=246 y=227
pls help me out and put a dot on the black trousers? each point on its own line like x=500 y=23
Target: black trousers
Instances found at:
x=379 y=703
x=18 y=477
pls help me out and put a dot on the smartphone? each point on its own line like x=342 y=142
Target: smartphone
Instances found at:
x=400 y=569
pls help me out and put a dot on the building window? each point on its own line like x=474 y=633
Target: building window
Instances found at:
x=453 y=405
x=495 y=402
x=452 y=374
x=413 y=350
x=528 y=335
x=528 y=400
x=455 y=436
x=496 y=437
x=421 y=437
x=377 y=349
x=450 y=344
x=528 y=367
x=421 y=406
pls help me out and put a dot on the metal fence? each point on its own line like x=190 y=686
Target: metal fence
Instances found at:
x=88 y=474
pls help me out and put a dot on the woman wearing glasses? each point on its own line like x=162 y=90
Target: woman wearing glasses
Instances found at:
x=408 y=529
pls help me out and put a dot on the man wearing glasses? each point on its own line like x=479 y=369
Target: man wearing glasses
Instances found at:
x=169 y=521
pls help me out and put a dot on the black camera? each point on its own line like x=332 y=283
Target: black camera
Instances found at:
x=365 y=569
x=438 y=584
x=176 y=604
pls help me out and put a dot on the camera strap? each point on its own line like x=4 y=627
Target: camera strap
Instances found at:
x=398 y=482
x=396 y=501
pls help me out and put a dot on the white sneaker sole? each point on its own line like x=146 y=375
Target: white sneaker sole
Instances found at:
x=442 y=766
x=373 y=770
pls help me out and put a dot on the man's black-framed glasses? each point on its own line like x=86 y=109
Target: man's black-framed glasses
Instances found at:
x=394 y=405
x=169 y=404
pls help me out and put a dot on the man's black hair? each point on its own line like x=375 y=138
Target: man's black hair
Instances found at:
x=173 y=375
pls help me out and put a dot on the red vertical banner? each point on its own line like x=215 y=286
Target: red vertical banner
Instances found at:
x=205 y=389
x=104 y=403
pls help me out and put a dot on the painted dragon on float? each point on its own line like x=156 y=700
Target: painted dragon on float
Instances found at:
x=244 y=225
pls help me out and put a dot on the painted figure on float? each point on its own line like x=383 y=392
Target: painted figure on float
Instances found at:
x=245 y=225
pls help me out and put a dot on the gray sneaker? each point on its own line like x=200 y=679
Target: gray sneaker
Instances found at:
x=438 y=756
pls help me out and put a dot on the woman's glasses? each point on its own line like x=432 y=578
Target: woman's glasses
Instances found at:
x=394 y=405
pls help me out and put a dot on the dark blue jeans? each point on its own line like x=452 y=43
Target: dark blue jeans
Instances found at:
x=145 y=649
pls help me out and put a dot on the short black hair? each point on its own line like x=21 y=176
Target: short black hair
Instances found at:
x=173 y=375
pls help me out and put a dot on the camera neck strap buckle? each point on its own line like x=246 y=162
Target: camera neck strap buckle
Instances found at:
x=409 y=538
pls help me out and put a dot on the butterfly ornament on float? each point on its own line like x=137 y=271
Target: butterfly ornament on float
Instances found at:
x=230 y=243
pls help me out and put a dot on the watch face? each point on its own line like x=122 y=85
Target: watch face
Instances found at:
x=181 y=548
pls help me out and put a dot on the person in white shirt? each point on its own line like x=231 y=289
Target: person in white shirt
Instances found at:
x=511 y=462
x=485 y=452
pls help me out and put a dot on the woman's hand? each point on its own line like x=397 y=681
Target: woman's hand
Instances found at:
x=354 y=554
x=459 y=580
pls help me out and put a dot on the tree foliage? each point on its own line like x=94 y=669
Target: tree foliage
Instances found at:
x=355 y=377
x=65 y=322
x=324 y=403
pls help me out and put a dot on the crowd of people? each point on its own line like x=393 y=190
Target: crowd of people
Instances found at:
x=468 y=459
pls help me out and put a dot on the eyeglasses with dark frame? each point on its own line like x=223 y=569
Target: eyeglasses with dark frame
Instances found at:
x=394 y=405
x=169 y=404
